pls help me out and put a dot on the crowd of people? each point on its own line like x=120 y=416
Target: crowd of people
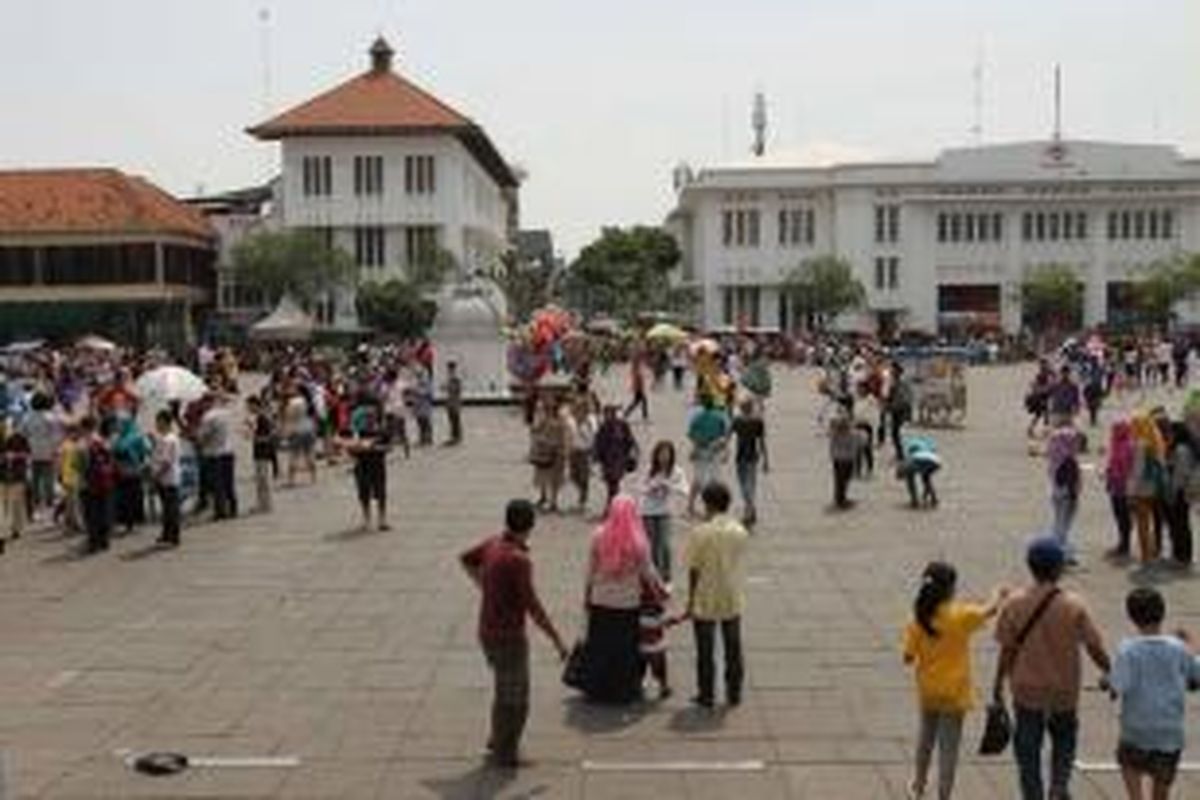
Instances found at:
x=87 y=445
x=90 y=442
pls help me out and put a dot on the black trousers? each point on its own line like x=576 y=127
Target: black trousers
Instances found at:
x=639 y=400
x=224 y=491
x=168 y=498
x=98 y=518
x=1123 y=517
x=897 y=424
x=454 y=419
x=731 y=641
x=206 y=478
x=1179 y=528
x=865 y=463
x=843 y=471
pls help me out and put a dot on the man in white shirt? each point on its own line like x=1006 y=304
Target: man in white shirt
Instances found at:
x=216 y=444
x=165 y=467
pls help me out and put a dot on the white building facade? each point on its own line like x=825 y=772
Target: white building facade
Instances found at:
x=392 y=176
x=940 y=244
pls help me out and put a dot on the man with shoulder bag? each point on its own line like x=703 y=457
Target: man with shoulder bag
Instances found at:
x=1041 y=631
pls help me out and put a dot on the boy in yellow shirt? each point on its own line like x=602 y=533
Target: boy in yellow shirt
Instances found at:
x=937 y=643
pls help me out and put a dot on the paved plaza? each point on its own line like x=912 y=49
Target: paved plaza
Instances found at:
x=293 y=635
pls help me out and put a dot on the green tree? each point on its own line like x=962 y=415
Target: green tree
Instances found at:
x=297 y=262
x=623 y=273
x=406 y=307
x=1158 y=288
x=1052 y=298
x=821 y=288
x=396 y=307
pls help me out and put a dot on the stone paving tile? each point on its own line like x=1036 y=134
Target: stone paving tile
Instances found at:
x=290 y=635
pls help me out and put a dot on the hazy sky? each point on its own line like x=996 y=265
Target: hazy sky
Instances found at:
x=597 y=100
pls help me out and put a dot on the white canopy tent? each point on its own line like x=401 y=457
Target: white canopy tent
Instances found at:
x=287 y=323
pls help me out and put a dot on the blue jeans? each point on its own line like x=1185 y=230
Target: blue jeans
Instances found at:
x=658 y=531
x=747 y=476
x=1031 y=728
x=1063 y=505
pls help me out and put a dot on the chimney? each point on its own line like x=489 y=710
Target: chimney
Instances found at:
x=381 y=56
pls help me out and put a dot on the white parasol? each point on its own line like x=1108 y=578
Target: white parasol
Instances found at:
x=94 y=342
x=162 y=385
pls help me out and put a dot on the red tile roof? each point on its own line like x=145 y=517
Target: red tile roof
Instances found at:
x=92 y=201
x=373 y=102
x=379 y=102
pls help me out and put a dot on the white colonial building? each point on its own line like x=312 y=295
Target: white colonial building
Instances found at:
x=392 y=175
x=942 y=243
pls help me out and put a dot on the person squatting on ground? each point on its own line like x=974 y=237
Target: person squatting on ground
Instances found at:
x=1151 y=675
x=937 y=645
x=1041 y=630
x=714 y=554
x=922 y=462
x=502 y=569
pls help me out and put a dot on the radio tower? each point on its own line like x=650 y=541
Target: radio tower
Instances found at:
x=758 y=120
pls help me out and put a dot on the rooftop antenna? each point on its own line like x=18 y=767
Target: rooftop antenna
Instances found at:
x=977 y=78
x=264 y=43
x=758 y=120
x=1057 y=104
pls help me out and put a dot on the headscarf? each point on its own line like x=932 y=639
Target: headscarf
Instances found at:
x=1120 y=453
x=619 y=543
x=1146 y=433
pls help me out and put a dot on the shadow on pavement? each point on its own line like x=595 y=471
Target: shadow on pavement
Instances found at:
x=600 y=718
x=352 y=534
x=479 y=781
x=146 y=552
x=697 y=720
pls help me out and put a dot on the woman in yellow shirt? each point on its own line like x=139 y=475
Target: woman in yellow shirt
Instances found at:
x=937 y=644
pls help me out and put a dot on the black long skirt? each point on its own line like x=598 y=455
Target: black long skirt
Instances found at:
x=614 y=670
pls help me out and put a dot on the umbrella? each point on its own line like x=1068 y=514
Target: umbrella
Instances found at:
x=94 y=342
x=166 y=384
x=666 y=332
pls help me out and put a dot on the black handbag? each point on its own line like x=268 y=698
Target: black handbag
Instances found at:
x=997 y=730
x=998 y=727
x=575 y=669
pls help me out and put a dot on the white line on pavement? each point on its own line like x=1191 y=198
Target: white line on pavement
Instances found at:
x=674 y=766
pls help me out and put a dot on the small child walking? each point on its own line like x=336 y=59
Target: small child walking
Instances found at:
x=937 y=645
x=262 y=431
x=165 y=468
x=652 y=640
x=1151 y=675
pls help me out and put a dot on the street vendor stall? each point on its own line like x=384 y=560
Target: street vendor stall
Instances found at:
x=939 y=383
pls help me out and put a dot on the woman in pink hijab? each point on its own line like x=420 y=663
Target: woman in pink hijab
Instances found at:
x=619 y=567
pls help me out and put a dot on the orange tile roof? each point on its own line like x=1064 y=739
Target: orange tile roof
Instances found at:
x=379 y=102
x=99 y=201
x=373 y=102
